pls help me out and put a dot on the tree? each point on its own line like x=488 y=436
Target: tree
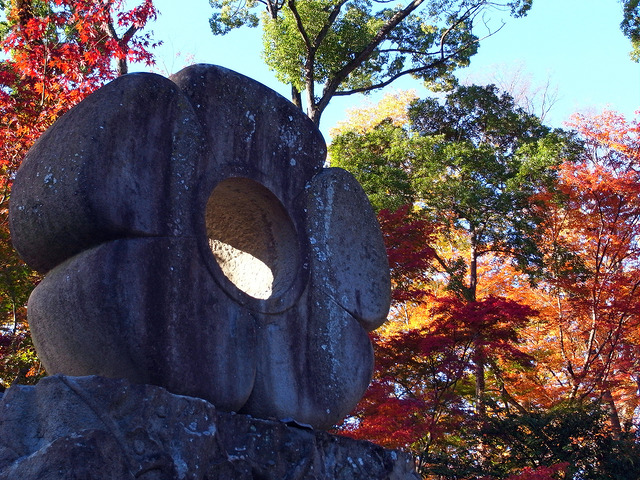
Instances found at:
x=552 y=363
x=56 y=53
x=474 y=164
x=491 y=157
x=378 y=159
x=533 y=97
x=631 y=26
x=568 y=440
x=59 y=51
x=327 y=48
x=591 y=291
x=456 y=360
x=423 y=387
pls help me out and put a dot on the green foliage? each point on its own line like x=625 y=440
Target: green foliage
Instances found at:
x=572 y=434
x=350 y=46
x=474 y=163
x=631 y=26
x=18 y=358
x=568 y=440
x=16 y=279
x=492 y=159
x=378 y=160
x=231 y=17
x=286 y=52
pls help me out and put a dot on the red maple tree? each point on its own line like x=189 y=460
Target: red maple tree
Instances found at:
x=559 y=350
x=58 y=52
x=592 y=297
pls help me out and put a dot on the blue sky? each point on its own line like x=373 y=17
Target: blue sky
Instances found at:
x=576 y=44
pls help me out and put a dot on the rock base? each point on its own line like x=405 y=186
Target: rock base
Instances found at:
x=97 y=428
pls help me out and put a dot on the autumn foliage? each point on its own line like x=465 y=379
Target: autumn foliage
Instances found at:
x=558 y=347
x=513 y=346
x=59 y=52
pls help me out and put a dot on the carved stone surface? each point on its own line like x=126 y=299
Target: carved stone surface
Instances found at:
x=104 y=429
x=192 y=239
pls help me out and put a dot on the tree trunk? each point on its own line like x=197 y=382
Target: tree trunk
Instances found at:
x=614 y=419
x=473 y=269
x=123 y=66
x=478 y=360
x=296 y=98
x=478 y=354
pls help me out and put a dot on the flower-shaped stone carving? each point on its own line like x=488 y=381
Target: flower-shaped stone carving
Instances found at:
x=192 y=239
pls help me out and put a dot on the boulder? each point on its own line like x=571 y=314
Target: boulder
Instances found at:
x=105 y=429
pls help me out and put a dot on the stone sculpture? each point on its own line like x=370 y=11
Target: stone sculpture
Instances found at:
x=192 y=239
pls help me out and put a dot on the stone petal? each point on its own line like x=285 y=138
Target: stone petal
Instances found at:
x=252 y=131
x=256 y=140
x=149 y=311
x=348 y=256
x=314 y=363
x=124 y=162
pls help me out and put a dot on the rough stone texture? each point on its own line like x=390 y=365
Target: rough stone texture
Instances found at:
x=304 y=380
x=252 y=238
x=194 y=241
x=348 y=253
x=97 y=428
x=124 y=162
x=255 y=134
x=159 y=322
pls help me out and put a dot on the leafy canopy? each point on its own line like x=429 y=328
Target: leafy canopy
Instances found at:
x=338 y=47
x=473 y=163
x=558 y=359
x=631 y=26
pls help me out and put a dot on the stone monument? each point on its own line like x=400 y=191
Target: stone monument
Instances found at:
x=193 y=240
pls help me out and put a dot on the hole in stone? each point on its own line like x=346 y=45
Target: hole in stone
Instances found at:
x=252 y=238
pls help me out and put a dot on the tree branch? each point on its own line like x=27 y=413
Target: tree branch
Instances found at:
x=332 y=86
x=410 y=71
x=300 y=26
x=471 y=12
x=330 y=21
x=383 y=84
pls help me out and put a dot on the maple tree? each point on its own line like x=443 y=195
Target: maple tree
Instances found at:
x=593 y=239
x=56 y=53
x=473 y=164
